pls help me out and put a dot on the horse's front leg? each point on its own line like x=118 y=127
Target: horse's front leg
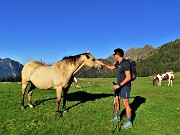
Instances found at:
x=58 y=93
x=169 y=81
x=65 y=91
x=159 y=83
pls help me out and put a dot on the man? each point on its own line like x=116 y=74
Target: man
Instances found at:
x=123 y=87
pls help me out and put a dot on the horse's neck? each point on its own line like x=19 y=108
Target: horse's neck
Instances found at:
x=71 y=68
x=81 y=65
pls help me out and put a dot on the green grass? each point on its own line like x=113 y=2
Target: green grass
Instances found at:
x=155 y=112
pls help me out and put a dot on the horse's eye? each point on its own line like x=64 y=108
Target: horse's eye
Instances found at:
x=93 y=59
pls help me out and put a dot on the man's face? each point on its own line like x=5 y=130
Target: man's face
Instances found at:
x=115 y=56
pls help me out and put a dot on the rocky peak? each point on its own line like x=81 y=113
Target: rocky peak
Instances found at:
x=9 y=67
x=137 y=53
x=134 y=53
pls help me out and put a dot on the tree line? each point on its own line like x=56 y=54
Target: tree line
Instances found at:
x=11 y=79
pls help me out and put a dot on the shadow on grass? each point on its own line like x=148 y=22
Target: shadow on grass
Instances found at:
x=38 y=102
x=83 y=97
x=138 y=100
x=80 y=96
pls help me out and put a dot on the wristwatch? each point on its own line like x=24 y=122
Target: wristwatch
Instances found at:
x=120 y=85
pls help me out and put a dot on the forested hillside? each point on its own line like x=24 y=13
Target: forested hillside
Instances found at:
x=150 y=61
x=166 y=57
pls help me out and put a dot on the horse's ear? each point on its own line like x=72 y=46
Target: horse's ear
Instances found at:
x=87 y=56
x=88 y=51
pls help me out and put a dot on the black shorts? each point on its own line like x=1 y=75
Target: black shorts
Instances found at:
x=123 y=92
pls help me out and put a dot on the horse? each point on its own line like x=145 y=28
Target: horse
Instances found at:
x=167 y=76
x=58 y=76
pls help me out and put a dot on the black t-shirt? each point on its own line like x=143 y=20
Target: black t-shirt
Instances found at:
x=120 y=71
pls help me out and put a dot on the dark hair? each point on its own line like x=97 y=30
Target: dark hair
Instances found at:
x=119 y=51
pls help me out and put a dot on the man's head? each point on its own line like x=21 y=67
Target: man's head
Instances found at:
x=118 y=53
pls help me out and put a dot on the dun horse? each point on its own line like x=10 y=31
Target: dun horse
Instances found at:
x=160 y=77
x=58 y=76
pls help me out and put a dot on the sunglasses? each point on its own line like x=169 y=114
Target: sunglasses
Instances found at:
x=114 y=54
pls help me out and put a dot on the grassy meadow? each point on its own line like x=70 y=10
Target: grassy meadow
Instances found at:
x=155 y=110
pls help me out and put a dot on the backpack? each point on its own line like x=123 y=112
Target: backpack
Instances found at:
x=132 y=69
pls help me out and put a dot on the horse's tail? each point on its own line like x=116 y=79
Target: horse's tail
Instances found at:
x=26 y=71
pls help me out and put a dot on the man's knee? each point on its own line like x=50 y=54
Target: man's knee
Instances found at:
x=126 y=102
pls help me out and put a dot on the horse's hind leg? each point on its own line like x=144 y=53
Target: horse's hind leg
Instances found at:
x=23 y=90
x=30 y=92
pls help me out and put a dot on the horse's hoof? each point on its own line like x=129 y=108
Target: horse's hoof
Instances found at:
x=65 y=110
x=58 y=113
x=31 y=106
x=22 y=107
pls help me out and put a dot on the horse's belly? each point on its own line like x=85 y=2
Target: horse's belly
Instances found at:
x=43 y=85
x=42 y=82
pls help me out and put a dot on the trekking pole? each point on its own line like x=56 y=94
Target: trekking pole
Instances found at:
x=113 y=122
x=119 y=121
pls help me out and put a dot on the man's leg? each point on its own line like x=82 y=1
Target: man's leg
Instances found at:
x=125 y=94
x=128 y=114
x=127 y=107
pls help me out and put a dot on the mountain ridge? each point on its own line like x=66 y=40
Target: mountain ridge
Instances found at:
x=9 y=68
x=149 y=61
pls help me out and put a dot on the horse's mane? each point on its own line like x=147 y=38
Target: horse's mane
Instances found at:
x=40 y=63
x=73 y=59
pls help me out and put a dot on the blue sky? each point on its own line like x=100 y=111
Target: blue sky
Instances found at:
x=48 y=30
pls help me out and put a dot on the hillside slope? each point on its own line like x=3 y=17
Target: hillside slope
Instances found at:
x=149 y=61
x=166 y=57
x=133 y=53
x=138 y=53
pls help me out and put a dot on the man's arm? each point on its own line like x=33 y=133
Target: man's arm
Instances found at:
x=127 y=79
x=107 y=66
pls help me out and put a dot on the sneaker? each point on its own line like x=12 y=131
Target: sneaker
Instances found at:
x=115 y=118
x=127 y=125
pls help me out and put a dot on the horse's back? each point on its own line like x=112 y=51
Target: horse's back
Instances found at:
x=41 y=75
x=29 y=68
